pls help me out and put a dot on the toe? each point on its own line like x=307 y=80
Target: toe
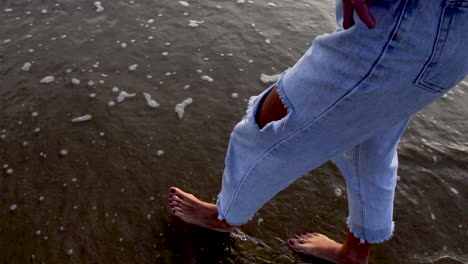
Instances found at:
x=301 y=236
x=176 y=198
x=172 y=205
x=295 y=245
x=321 y=236
x=176 y=208
x=177 y=191
x=178 y=213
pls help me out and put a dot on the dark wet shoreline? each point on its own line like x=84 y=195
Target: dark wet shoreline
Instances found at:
x=105 y=200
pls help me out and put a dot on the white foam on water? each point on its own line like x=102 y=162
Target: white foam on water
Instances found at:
x=195 y=23
x=26 y=66
x=234 y=95
x=115 y=89
x=186 y=87
x=338 y=192
x=132 y=67
x=454 y=190
x=207 y=78
x=13 y=207
x=150 y=102
x=183 y=3
x=180 y=108
x=269 y=78
x=111 y=103
x=75 y=81
x=99 y=7
x=160 y=152
x=9 y=171
x=47 y=79
x=82 y=118
x=123 y=95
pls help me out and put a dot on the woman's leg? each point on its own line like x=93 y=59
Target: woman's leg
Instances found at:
x=370 y=171
x=347 y=88
x=194 y=211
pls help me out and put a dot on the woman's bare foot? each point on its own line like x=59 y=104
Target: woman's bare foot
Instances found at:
x=322 y=247
x=194 y=211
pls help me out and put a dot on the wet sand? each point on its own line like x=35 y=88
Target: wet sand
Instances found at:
x=95 y=191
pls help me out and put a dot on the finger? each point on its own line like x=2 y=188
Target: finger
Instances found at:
x=363 y=12
x=348 y=11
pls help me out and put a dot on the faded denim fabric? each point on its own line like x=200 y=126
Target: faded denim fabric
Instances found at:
x=349 y=99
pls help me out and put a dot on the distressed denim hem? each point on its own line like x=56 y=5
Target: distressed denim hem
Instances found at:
x=222 y=216
x=250 y=118
x=358 y=233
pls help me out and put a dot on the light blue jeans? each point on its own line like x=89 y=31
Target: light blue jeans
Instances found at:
x=349 y=99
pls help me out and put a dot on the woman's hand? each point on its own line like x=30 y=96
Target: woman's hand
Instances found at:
x=361 y=8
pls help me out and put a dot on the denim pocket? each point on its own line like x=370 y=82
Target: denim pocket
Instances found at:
x=449 y=61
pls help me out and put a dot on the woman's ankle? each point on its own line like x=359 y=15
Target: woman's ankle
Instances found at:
x=353 y=251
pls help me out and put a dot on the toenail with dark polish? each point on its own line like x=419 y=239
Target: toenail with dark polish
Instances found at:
x=173 y=211
x=291 y=242
x=172 y=190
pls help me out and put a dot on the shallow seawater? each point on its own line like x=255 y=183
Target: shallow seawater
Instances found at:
x=96 y=191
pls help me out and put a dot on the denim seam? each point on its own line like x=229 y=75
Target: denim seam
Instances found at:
x=344 y=97
x=438 y=47
x=436 y=51
x=361 y=185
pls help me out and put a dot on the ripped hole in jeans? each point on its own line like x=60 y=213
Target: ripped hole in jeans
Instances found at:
x=270 y=108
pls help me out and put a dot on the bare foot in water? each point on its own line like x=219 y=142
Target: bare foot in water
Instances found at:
x=322 y=247
x=194 y=211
